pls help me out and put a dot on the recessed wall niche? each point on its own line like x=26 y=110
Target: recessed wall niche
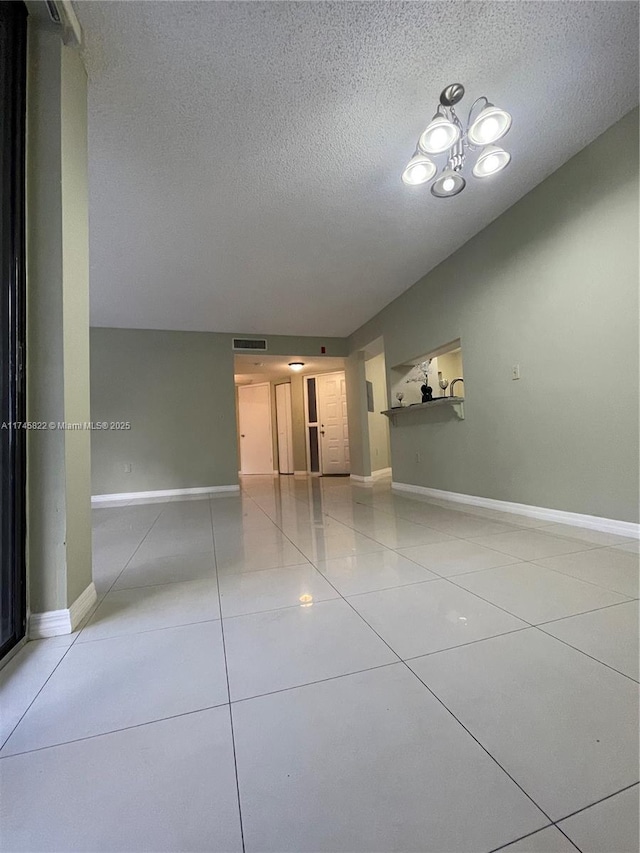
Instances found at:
x=444 y=363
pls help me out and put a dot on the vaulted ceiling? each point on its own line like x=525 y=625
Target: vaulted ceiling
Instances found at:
x=245 y=157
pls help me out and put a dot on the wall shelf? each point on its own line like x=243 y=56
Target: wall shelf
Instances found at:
x=456 y=402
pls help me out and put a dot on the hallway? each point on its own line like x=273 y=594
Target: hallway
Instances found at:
x=317 y=666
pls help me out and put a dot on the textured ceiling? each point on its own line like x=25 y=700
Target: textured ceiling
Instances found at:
x=245 y=157
x=262 y=368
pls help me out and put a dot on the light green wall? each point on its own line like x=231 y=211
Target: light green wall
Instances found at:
x=75 y=314
x=552 y=285
x=379 y=449
x=58 y=461
x=356 y=382
x=177 y=390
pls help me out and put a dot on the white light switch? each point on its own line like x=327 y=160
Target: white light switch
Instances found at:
x=127 y=467
x=515 y=371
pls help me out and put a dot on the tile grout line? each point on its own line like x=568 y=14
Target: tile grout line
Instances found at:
x=445 y=707
x=299 y=687
x=26 y=711
x=597 y=802
x=559 y=572
x=146 y=631
x=477 y=595
x=68 y=649
x=586 y=654
x=226 y=671
x=539 y=627
x=346 y=674
x=570 y=840
x=440 y=577
x=586 y=546
x=585 y=612
x=312 y=683
x=81 y=627
x=113 y=731
x=531 y=835
x=480 y=744
x=197 y=710
x=117 y=578
x=528 y=625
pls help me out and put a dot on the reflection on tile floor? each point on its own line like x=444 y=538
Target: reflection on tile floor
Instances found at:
x=317 y=666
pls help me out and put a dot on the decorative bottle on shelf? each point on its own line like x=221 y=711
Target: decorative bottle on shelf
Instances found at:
x=427 y=393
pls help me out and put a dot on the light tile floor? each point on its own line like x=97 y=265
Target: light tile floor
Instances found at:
x=317 y=666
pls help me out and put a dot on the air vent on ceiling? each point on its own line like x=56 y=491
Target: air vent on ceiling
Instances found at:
x=250 y=344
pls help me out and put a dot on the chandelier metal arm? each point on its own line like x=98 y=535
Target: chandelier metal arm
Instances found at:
x=457 y=153
x=473 y=106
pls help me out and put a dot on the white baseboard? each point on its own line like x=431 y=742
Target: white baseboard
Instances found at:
x=375 y=475
x=53 y=623
x=592 y=522
x=381 y=472
x=143 y=497
x=300 y=473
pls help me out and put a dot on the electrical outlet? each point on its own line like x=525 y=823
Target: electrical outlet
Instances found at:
x=515 y=371
x=418 y=457
x=127 y=467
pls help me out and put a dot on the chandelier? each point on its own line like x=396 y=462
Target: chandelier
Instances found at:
x=445 y=134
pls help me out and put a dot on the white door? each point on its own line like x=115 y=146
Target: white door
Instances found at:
x=285 y=436
x=254 y=416
x=334 y=429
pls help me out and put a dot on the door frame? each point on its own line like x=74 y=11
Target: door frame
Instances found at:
x=12 y=321
x=269 y=420
x=308 y=423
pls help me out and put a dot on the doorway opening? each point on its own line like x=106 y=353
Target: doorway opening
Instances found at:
x=291 y=419
x=377 y=402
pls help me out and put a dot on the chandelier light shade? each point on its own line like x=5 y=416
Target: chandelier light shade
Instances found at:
x=448 y=183
x=490 y=125
x=492 y=159
x=419 y=170
x=447 y=135
x=439 y=136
